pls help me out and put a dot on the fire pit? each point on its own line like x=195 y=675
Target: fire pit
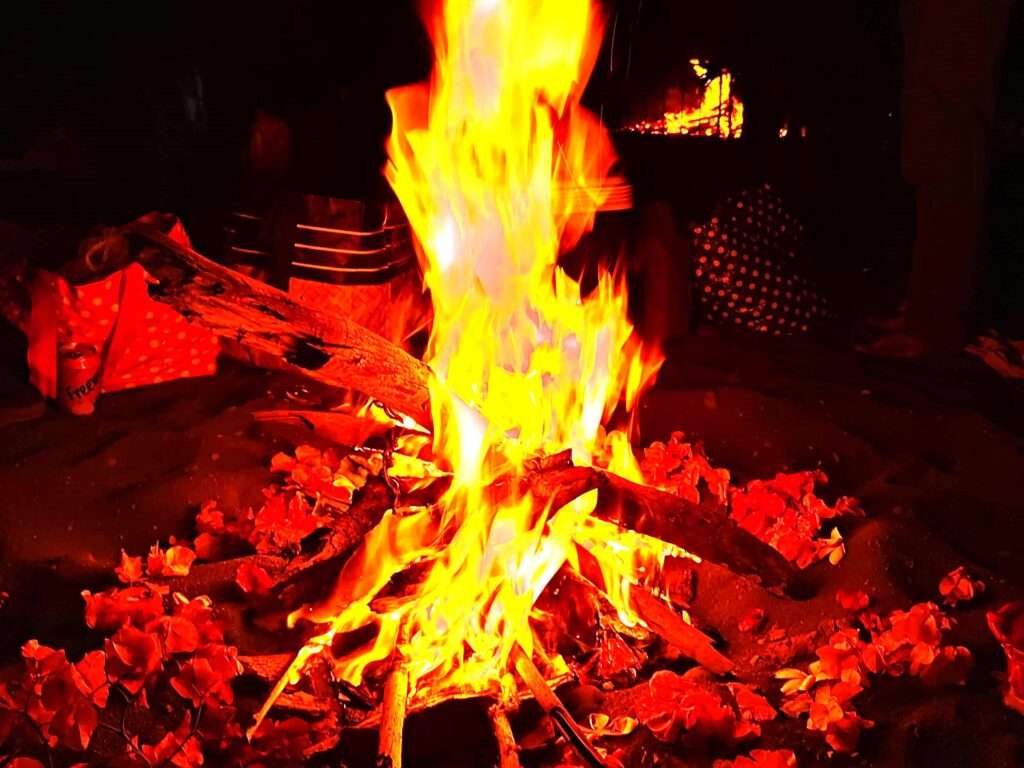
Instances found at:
x=483 y=525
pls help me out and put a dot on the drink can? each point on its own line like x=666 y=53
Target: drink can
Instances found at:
x=79 y=378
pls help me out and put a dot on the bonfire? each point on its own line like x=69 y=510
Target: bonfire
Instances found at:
x=481 y=527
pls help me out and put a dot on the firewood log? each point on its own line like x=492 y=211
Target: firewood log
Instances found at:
x=268 y=668
x=326 y=347
x=668 y=625
x=303 y=580
x=212 y=578
x=299 y=427
x=704 y=529
x=661 y=620
x=508 y=752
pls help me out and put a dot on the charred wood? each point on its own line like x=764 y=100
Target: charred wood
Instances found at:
x=508 y=752
x=213 y=578
x=671 y=627
x=704 y=529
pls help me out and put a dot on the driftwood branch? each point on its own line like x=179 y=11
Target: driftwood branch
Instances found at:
x=326 y=347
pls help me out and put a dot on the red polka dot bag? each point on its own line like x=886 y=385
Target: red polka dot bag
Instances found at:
x=141 y=341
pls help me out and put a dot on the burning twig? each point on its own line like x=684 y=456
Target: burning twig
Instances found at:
x=326 y=347
x=508 y=751
x=553 y=707
x=394 y=706
x=671 y=627
x=347 y=530
x=396 y=699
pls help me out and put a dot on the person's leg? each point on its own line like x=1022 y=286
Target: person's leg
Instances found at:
x=946 y=258
x=950 y=52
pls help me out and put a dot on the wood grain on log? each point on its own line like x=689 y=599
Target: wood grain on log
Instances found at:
x=326 y=347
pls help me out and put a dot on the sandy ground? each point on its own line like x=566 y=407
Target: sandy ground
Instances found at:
x=936 y=453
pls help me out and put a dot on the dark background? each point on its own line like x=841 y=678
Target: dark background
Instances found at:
x=111 y=110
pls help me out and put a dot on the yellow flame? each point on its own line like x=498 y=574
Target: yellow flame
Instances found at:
x=719 y=113
x=499 y=169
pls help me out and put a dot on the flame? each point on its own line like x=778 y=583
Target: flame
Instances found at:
x=718 y=113
x=499 y=170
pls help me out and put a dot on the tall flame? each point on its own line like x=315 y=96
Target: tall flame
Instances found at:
x=499 y=169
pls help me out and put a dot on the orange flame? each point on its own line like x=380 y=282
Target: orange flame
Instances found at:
x=719 y=113
x=499 y=169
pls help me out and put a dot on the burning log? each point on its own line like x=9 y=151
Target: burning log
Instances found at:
x=704 y=529
x=394 y=707
x=508 y=750
x=664 y=622
x=268 y=668
x=329 y=348
x=347 y=530
x=396 y=699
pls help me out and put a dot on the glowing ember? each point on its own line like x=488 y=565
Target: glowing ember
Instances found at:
x=499 y=169
x=718 y=112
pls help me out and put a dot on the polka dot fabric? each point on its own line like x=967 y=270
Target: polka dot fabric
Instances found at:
x=146 y=342
x=744 y=267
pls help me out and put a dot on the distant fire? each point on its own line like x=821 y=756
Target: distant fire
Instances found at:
x=717 y=111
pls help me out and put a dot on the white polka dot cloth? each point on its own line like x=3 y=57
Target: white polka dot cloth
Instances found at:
x=744 y=267
x=146 y=342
